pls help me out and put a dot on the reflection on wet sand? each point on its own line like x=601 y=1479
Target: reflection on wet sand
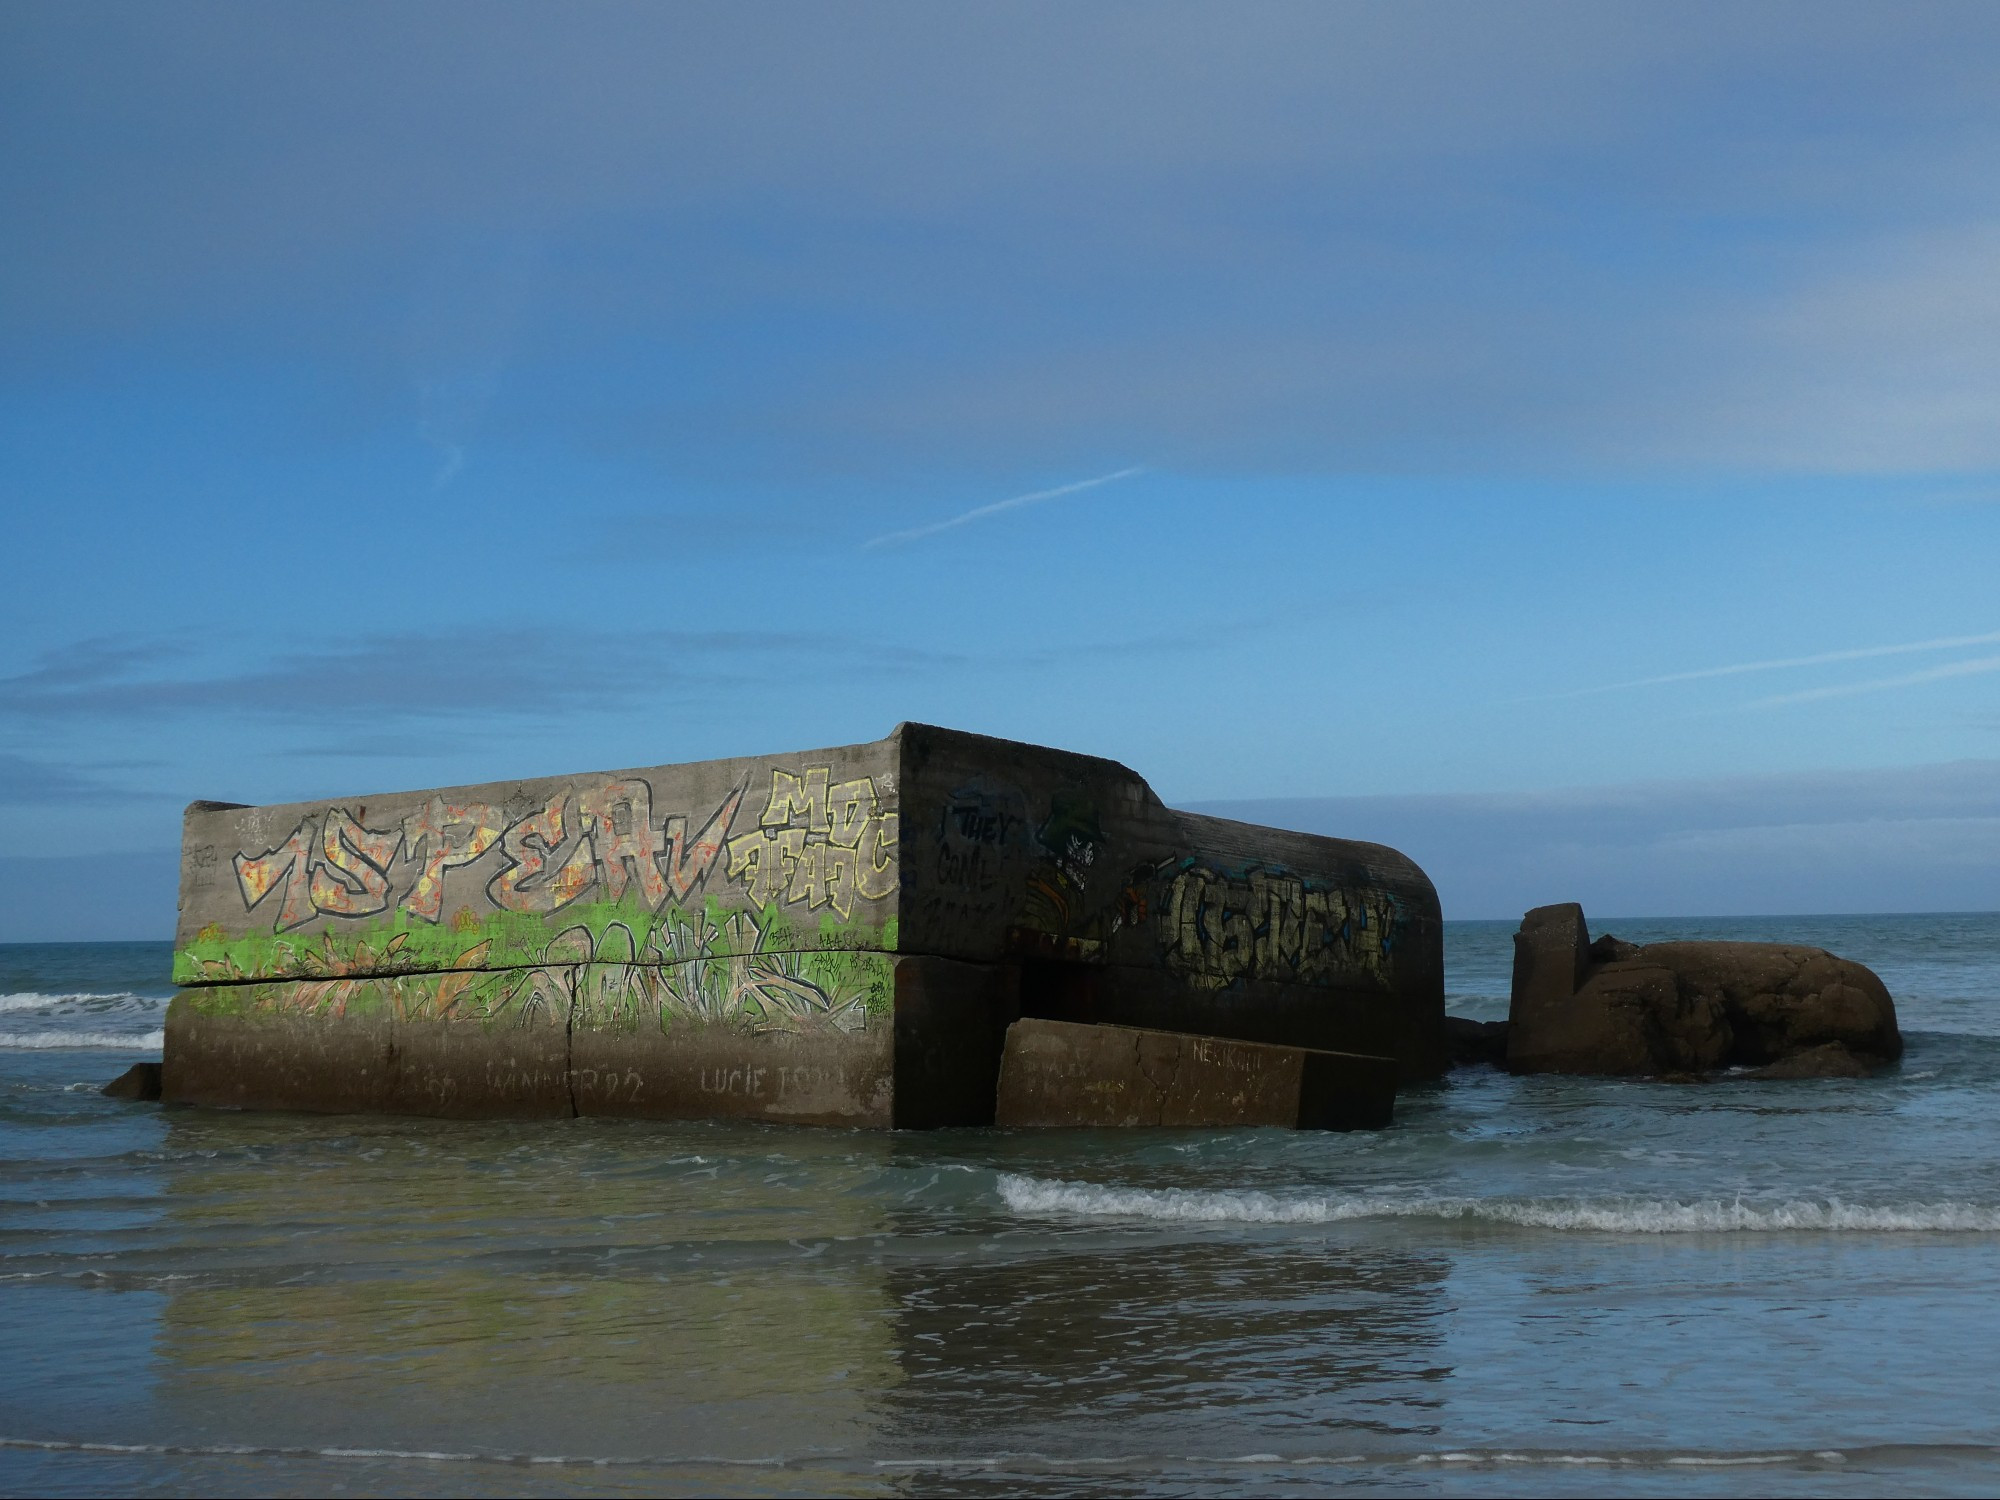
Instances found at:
x=518 y=1289
x=628 y=1290
x=1161 y=1339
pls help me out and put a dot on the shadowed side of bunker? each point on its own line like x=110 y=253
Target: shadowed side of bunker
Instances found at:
x=837 y=937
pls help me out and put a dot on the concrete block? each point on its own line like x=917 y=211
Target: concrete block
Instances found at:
x=1551 y=955
x=1058 y=1073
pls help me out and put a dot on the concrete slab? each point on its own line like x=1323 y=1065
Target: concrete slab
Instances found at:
x=1057 y=1073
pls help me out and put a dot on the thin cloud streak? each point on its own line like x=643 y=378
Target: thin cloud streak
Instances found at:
x=1860 y=653
x=1975 y=667
x=1910 y=838
x=981 y=512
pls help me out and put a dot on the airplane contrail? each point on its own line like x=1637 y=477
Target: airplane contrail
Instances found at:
x=1861 y=653
x=1879 y=684
x=979 y=512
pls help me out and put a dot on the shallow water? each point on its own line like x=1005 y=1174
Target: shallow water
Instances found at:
x=1526 y=1284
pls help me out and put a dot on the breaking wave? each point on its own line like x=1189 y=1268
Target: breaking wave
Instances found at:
x=94 y=1004
x=1038 y=1197
x=44 y=1041
x=121 y=1020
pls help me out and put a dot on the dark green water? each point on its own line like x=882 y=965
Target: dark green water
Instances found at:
x=1537 y=1285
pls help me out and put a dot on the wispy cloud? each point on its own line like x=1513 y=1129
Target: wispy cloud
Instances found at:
x=429 y=675
x=1908 y=838
x=1824 y=658
x=1973 y=668
x=24 y=781
x=372 y=688
x=980 y=512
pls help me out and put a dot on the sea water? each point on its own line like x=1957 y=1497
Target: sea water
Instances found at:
x=1526 y=1284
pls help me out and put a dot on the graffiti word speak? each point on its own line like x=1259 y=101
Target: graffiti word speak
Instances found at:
x=595 y=838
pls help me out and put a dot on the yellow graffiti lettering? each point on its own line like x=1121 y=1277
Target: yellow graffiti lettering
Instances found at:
x=876 y=875
x=442 y=836
x=792 y=795
x=757 y=861
x=1214 y=930
x=850 y=807
x=819 y=844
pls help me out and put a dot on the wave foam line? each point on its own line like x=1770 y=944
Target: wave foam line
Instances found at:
x=1035 y=1196
x=419 y=1455
x=1130 y=1462
x=118 y=1000
x=55 y=1041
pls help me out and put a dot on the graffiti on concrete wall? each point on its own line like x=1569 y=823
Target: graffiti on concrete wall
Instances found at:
x=692 y=968
x=1074 y=902
x=818 y=843
x=1215 y=928
x=687 y=968
x=1071 y=840
x=970 y=864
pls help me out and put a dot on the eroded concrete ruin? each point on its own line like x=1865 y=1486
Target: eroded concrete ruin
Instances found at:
x=834 y=937
x=1687 y=1009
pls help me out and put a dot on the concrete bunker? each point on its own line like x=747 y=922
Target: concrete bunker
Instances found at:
x=839 y=937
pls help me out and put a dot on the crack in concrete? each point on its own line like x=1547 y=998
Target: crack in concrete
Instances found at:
x=303 y=977
x=569 y=1039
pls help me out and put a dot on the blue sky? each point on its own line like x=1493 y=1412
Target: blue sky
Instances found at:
x=1412 y=409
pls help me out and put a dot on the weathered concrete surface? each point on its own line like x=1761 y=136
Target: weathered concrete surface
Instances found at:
x=738 y=1036
x=1687 y=1008
x=1781 y=998
x=595 y=1039
x=1060 y=1073
x=837 y=937
x=1629 y=1017
x=711 y=1070
x=1551 y=957
x=467 y=1044
x=1126 y=911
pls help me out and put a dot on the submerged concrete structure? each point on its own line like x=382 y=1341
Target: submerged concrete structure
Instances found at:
x=1059 y=1073
x=840 y=936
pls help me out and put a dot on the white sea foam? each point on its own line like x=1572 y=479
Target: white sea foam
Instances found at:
x=1043 y=1198
x=96 y=1004
x=46 y=1041
x=419 y=1455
